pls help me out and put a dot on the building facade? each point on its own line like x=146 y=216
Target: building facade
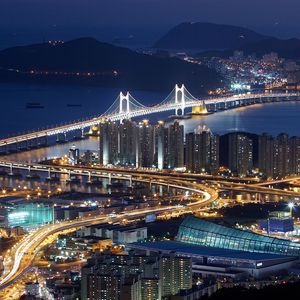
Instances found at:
x=202 y=151
x=175 y=146
x=240 y=154
x=200 y=232
x=278 y=156
x=135 y=277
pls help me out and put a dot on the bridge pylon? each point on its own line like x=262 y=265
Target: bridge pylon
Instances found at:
x=123 y=97
x=180 y=98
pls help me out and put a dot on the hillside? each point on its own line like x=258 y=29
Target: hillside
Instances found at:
x=88 y=61
x=207 y=36
x=289 y=49
x=285 y=48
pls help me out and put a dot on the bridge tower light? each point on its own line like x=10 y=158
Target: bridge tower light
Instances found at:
x=180 y=91
x=125 y=105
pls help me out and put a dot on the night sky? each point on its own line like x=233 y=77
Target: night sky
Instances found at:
x=23 y=21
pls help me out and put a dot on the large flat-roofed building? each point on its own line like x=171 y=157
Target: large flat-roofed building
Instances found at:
x=203 y=233
x=227 y=252
x=117 y=233
x=29 y=215
x=278 y=221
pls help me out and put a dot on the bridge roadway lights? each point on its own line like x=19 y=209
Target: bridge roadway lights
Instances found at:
x=180 y=98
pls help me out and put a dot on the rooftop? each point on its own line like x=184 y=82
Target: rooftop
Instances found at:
x=182 y=248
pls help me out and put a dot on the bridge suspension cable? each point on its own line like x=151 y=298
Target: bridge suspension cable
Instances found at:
x=124 y=103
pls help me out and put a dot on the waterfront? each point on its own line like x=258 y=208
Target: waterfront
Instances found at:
x=273 y=118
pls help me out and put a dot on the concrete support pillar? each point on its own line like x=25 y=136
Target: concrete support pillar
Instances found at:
x=10 y=170
x=89 y=177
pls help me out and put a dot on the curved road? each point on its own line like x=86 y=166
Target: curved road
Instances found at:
x=27 y=249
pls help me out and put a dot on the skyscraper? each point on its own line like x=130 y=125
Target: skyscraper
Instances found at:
x=266 y=155
x=135 y=277
x=74 y=155
x=202 y=151
x=145 y=145
x=294 y=155
x=161 y=146
x=175 y=146
x=281 y=155
x=240 y=151
x=108 y=143
x=127 y=140
x=175 y=274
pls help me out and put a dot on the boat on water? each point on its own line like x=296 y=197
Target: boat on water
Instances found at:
x=74 y=105
x=34 y=105
x=182 y=117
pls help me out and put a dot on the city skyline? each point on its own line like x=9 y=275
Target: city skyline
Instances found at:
x=149 y=149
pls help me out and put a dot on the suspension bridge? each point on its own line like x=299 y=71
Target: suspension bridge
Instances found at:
x=126 y=106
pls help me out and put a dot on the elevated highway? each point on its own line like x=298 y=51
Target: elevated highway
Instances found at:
x=25 y=252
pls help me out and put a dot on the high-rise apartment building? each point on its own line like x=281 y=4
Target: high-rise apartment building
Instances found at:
x=202 y=151
x=127 y=143
x=294 y=155
x=280 y=156
x=161 y=145
x=240 y=151
x=145 y=145
x=108 y=143
x=175 y=274
x=74 y=155
x=266 y=155
x=175 y=145
x=135 y=277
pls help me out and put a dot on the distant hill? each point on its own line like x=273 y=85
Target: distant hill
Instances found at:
x=207 y=36
x=88 y=61
x=285 y=48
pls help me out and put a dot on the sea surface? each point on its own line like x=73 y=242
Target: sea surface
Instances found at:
x=272 y=118
x=15 y=118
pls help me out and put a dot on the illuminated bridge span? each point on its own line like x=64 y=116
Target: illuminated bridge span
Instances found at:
x=125 y=106
x=72 y=172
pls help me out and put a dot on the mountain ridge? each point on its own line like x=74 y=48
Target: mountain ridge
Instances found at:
x=88 y=61
x=203 y=35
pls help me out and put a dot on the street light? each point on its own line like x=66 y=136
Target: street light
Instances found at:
x=291 y=206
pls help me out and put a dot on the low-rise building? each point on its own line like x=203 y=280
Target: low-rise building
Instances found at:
x=117 y=233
